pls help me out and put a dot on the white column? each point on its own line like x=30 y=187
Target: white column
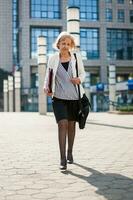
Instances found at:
x=112 y=86
x=42 y=60
x=73 y=23
x=10 y=89
x=5 y=89
x=17 y=91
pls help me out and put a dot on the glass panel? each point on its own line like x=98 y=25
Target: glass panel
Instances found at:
x=45 y=9
x=121 y=16
x=109 y=15
x=49 y=33
x=120 y=44
x=89 y=10
x=108 y=1
x=120 y=1
x=131 y=16
x=89 y=40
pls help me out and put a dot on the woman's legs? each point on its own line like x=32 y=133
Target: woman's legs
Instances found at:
x=65 y=128
x=62 y=133
x=71 y=136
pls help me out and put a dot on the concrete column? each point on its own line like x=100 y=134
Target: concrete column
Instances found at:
x=63 y=5
x=6 y=49
x=87 y=84
x=73 y=23
x=10 y=89
x=5 y=89
x=42 y=60
x=17 y=91
x=112 y=86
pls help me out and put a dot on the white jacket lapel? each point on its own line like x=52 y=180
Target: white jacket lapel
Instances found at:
x=56 y=63
x=73 y=61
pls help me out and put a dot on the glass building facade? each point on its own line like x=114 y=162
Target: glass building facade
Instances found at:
x=120 y=44
x=45 y=9
x=50 y=33
x=89 y=43
x=101 y=40
x=89 y=10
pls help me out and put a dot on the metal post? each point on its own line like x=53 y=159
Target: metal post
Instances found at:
x=5 y=89
x=17 y=91
x=73 y=23
x=10 y=89
x=112 y=86
x=42 y=60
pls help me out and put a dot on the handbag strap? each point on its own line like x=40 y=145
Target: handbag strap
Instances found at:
x=78 y=84
x=77 y=75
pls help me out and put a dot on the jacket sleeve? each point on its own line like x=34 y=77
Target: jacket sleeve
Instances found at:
x=49 y=66
x=81 y=70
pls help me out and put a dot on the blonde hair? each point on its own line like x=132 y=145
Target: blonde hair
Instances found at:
x=63 y=35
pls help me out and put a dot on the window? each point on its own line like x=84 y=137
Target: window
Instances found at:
x=95 y=78
x=131 y=16
x=15 y=34
x=50 y=33
x=121 y=1
x=130 y=53
x=34 y=80
x=45 y=9
x=108 y=1
x=89 y=10
x=109 y=15
x=89 y=43
x=121 y=15
x=119 y=44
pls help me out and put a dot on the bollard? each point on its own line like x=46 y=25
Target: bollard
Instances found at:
x=5 y=89
x=112 y=86
x=17 y=91
x=10 y=89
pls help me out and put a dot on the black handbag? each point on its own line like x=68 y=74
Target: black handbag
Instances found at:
x=84 y=105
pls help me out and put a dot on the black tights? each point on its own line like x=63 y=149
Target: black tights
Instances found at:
x=66 y=128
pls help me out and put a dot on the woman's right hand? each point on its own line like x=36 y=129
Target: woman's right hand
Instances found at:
x=47 y=92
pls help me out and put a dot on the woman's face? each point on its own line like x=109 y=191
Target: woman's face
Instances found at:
x=65 y=44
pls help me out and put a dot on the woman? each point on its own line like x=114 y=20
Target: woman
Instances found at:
x=65 y=93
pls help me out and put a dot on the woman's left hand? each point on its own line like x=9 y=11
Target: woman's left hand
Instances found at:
x=75 y=80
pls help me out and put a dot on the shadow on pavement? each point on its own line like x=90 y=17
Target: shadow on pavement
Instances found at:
x=110 y=185
x=114 y=126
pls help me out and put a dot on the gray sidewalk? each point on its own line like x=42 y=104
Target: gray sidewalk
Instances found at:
x=29 y=159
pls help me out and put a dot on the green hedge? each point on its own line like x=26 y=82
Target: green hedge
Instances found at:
x=125 y=108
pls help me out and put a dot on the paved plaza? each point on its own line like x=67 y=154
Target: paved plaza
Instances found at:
x=29 y=159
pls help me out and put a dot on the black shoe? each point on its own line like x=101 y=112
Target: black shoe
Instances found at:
x=63 y=165
x=70 y=158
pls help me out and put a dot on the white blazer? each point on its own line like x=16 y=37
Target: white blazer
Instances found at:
x=53 y=63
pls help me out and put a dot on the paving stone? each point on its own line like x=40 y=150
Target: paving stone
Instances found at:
x=19 y=197
x=29 y=159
